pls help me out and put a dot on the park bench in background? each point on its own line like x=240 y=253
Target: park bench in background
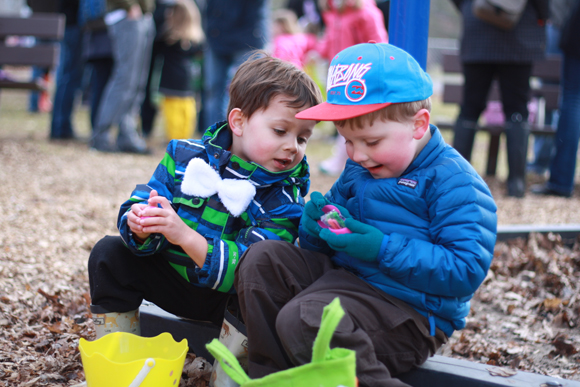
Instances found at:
x=547 y=95
x=46 y=26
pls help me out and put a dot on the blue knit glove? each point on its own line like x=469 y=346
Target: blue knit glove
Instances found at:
x=363 y=243
x=313 y=212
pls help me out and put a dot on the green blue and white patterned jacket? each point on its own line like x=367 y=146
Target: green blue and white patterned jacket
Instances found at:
x=274 y=212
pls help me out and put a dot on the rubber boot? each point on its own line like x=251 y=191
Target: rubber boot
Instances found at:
x=464 y=136
x=108 y=322
x=517 y=134
x=129 y=140
x=101 y=141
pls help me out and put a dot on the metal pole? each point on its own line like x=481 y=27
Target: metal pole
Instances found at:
x=409 y=27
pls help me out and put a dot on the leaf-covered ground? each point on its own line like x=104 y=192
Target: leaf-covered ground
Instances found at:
x=59 y=199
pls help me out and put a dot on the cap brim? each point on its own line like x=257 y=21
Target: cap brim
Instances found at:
x=331 y=112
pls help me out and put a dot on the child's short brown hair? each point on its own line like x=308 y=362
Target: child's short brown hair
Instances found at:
x=399 y=112
x=262 y=77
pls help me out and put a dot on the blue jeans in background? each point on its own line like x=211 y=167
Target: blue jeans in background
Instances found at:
x=68 y=81
x=131 y=41
x=219 y=69
x=563 y=166
x=34 y=96
x=101 y=70
x=544 y=143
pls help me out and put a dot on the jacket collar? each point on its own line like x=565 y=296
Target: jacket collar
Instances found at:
x=430 y=152
x=218 y=139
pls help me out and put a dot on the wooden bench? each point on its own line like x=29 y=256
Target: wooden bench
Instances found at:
x=49 y=26
x=547 y=95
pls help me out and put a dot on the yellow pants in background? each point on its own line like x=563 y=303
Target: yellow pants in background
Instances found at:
x=180 y=117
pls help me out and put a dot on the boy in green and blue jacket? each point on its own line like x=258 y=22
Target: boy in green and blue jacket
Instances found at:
x=183 y=233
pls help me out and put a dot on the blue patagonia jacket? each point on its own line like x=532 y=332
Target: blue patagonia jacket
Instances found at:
x=274 y=212
x=439 y=221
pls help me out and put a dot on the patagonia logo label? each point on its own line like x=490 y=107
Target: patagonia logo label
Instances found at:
x=407 y=183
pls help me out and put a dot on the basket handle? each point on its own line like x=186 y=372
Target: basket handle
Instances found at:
x=228 y=361
x=331 y=316
x=149 y=363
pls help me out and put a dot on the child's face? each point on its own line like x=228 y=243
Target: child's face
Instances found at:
x=386 y=148
x=272 y=137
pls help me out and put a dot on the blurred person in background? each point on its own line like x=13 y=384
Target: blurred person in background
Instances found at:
x=563 y=165
x=544 y=147
x=131 y=31
x=179 y=39
x=97 y=52
x=290 y=44
x=488 y=52
x=69 y=73
x=233 y=28
x=347 y=22
x=39 y=101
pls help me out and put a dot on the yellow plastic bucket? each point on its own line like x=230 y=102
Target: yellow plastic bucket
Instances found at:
x=125 y=360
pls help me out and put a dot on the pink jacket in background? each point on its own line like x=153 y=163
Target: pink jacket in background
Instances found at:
x=352 y=26
x=294 y=47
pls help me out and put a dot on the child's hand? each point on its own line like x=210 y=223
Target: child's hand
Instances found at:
x=133 y=220
x=313 y=212
x=163 y=220
x=363 y=243
x=309 y=217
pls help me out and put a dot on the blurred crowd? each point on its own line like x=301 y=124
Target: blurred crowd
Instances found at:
x=130 y=59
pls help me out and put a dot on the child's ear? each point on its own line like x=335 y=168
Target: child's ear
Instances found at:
x=237 y=120
x=421 y=123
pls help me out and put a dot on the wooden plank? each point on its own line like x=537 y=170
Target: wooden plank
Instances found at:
x=550 y=93
x=42 y=55
x=534 y=129
x=548 y=68
x=568 y=232
x=453 y=93
x=43 y=5
x=41 y=25
x=449 y=372
x=452 y=63
x=22 y=85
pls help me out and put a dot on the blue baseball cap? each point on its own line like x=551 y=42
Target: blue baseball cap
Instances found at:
x=367 y=77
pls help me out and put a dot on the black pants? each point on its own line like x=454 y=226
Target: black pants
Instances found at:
x=514 y=83
x=282 y=290
x=120 y=281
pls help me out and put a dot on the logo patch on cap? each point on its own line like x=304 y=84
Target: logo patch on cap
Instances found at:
x=356 y=90
x=351 y=77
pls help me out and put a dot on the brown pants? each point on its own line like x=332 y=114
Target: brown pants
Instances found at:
x=282 y=290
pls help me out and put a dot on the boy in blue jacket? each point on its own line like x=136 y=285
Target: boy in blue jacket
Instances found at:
x=182 y=234
x=422 y=232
